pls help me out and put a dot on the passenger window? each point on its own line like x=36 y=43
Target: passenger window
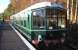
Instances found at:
x=38 y=19
x=24 y=23
x=28 y=17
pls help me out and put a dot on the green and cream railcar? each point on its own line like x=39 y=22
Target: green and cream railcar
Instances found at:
x=42 y=21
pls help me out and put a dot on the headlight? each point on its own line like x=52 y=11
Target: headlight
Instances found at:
x=39 y=37
x=50 y=27
x=62 y=26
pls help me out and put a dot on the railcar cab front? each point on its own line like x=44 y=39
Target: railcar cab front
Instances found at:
x=49 y=23
x=56 y=20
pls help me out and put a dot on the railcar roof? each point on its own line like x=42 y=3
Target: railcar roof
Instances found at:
x=37 y=5
x=40 y=5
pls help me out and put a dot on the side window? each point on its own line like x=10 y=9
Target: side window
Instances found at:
x=24 y=23
x=28 y=17
x=28 y=21
x=38 y=19
x=25 y=19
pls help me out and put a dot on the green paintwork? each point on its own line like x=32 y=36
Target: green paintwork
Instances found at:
x=27 y=26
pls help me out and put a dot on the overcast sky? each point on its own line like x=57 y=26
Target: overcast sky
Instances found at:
x=3 y=5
